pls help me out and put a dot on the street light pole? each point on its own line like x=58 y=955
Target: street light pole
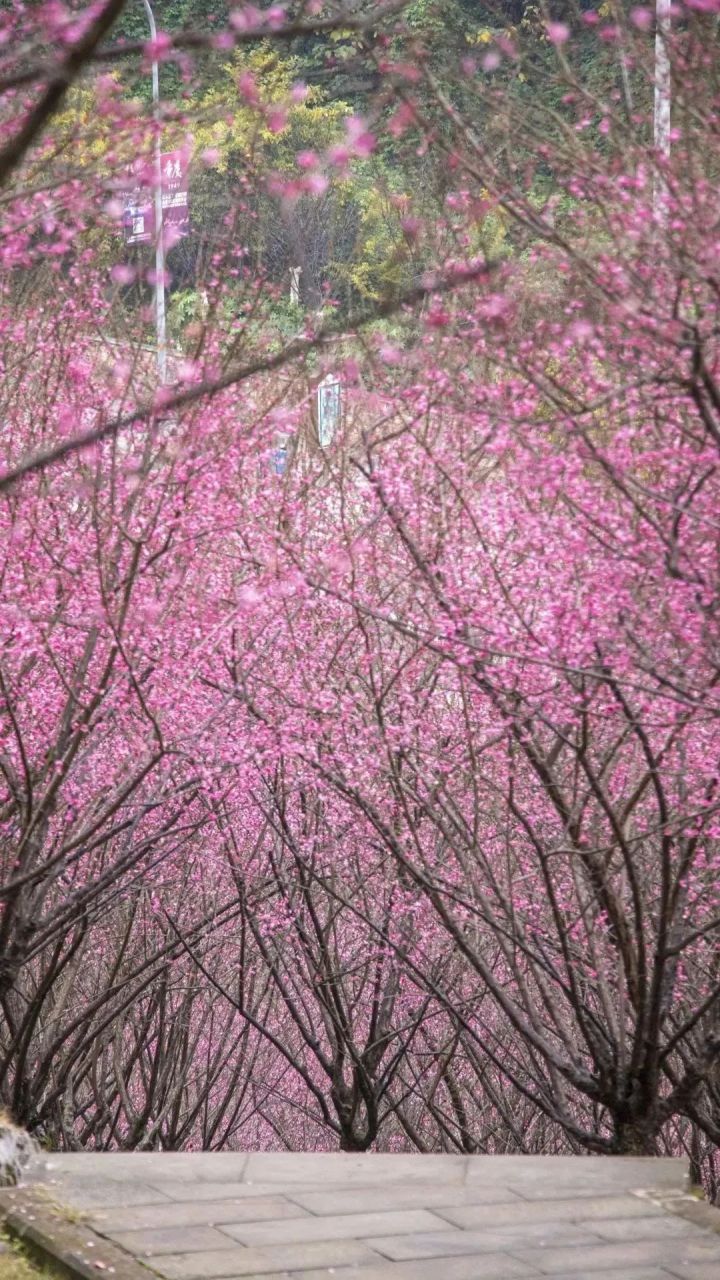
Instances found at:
x=661 y=112
x=160 y=329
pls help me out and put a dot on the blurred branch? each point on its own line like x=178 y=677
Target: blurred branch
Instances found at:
x=298 y=347
x=62 y=75
x=200 y=40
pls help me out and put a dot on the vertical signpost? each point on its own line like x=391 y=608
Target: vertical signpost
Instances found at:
x=328 y=410
x=160 y=331
x=149 y=209
x=662 y=106
x=280 y=459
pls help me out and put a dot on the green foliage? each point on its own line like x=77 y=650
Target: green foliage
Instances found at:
x=352 y=241
x=227 y=122
x=185 y=308
x=15 y=1264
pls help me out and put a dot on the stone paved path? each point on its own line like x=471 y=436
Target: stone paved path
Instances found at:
x=378 y=1217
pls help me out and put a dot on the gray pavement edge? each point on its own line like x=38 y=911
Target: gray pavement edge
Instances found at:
x=60 y=1240
x=689 y=1206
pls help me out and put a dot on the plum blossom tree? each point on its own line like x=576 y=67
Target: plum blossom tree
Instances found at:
x=384 y=790
x=508 y=649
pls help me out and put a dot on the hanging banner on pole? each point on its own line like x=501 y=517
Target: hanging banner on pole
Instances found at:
x=136 y=197
x=138 y=216
x=175 y=204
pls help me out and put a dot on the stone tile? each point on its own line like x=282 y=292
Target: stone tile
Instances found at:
x=557 y=1177
x=656 y=1228
x=399 y=1196
x=614 y=1172
x=543 y=1235
x=351 y=1226
x=236 y=1262
x=204 y=1213
x=642 y=1253
x=693 y=1270
x=212 y=1265
x=147 y=1244
x=116 y=1166
x=184 y=1192
x=481 y=1166
x=339 y=1169
x=569 y=1189
x=110 y=1195
x=584 y=1209
x=216 y=1166
x=147 y=1166
x=440 y=1244
x=491 y=1266
x=625 y=1273
x=318 y=1253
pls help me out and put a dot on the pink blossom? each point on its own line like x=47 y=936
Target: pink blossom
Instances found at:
x=557 y=32
x=641 y=18
x=401 y=120
x=339 y=156
x=360 y=139
x=160 y=48
x=437 y=317
x=315 y=184
x=276 y=118
x=247 y=88
x=248 y=18
x=249 y=597
x=122 y=274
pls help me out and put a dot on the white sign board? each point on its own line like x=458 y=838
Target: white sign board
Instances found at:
x=329 y=407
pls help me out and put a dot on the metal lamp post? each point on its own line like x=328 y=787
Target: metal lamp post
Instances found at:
x=160 y=328
x=662 y=104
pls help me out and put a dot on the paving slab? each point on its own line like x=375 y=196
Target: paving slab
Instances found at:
x=82 y=1195
x=238 y=1262
x=204 y=1213
x=625 y=1273
x=192 y=1191
x=398 y=1196
x=146 y=1166
x=557 y=1177
x=338 y=1169
x=395 y=1273
x=641 y=1253
x=351 y=1226
x=650 y=1228
x=148 y=1244
x=232 y=1216
x=693 y=1270
x=446 y=1244
x=493 y=1266
x=582 y=1209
